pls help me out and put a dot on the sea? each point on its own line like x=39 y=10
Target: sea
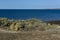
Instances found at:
x=42 y=14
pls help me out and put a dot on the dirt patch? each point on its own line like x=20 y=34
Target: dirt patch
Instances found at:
x=34 y=35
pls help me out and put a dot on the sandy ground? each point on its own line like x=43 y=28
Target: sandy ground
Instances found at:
x=31 y=35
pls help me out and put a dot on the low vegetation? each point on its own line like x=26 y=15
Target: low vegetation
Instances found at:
x=24 y=25
x=29 y=29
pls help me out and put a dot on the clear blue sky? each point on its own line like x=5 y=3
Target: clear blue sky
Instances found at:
x=29 y=4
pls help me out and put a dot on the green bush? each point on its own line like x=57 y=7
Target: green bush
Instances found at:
x=24 y=25
x=12 y=26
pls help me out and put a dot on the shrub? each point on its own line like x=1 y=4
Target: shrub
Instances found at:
x=12 y=26
x=25 y=25
x=17 y=26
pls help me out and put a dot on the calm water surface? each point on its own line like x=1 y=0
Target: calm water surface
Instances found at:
x=43 y=14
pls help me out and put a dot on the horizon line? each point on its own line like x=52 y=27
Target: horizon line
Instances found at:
x=33 y=9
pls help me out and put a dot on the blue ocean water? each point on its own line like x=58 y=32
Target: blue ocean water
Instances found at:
x=43 y=14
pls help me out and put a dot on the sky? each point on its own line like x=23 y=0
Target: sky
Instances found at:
x=29 y=4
